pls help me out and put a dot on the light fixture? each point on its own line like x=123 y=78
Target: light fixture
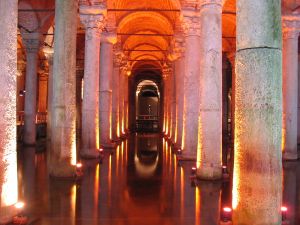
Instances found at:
x=19 y=205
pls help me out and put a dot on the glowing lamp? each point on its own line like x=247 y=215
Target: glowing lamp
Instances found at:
x=78 y=165
x=194 y=169
x=179 y=151
x=284 y=210
x=101 y=150
x=226 y=214
x=19 y=205
x=128 y=73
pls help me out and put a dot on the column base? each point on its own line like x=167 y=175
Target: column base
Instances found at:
x=8 y=213
x=209 y=173
x=187 y=157
x=88 y=153
x=289 y=156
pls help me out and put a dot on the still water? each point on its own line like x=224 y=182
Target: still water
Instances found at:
x=141 y=183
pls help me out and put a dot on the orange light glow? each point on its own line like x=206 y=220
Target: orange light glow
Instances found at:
x=284 y=209
x=236 y=174
x=197 y=205
x=227 y=209
x=73 y=203
x=19 y=205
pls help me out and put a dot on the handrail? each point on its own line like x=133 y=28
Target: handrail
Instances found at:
x=41 y=117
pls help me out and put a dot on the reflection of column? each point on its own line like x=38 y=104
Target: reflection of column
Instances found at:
x=289 y=197
x=93 y=20
x=209 y=203
x=191 y=83
x=32 y=44
x=115 y=96
x=49 y=54
x=105 y=102
x=209 y=160
x=289 y=89
x=179 y=80
x=257 y=180
x=63 y=133
x=8 y=73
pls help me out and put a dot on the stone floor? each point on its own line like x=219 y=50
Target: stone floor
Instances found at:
x=139 y=184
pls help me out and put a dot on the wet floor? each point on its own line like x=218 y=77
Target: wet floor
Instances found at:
x=140 y=183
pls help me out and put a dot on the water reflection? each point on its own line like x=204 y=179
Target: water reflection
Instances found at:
x=140 y=183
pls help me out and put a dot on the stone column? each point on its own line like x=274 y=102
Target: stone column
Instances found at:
x=179 y=79
x=257 y=179
x=93 y=19
x=121 y=100
x=173 y=106
x=106 y=71
x=166 y=77
x=116 y=96
x=8 y=78
x=49 y=55
x=231 y=58
x=209 y=153
x=191 y=83
x=289 y=89
x=298 y=120
x=63 y=134
x=32 y=45
x=126 y=105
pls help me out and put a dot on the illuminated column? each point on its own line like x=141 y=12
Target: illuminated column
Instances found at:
x=257 y=181
x=93 y=19
x=63 y=134
x=179 y=79
x=115 y=96
x=231 y=58
x=49 y=55
x=42 y=93
x=173 y=106
x=121 y=100
x=105 y=102
x=166 y=77
x=191 y=83
x=290 y=88
x=126 y=115
x=32 y=45
x=8 y=78
x=209 y=153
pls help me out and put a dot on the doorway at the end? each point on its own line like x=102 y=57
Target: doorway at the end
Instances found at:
x=147 y=110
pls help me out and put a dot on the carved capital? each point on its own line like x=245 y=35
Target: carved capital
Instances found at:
x=191 y=23
x=110 y=38
x=210 y=2
x=48 y=51
x=32 y=42
x=166 y=72
x=290 y=27
x=94 y=25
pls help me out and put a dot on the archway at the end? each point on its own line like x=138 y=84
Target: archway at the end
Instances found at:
x=145 y=103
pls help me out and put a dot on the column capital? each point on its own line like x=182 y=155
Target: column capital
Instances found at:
x=210 y=2
x=94 y=20
x=32 y=41
x=178 y=48
x=290 y=26
x=166 y=72
x=191 y=22
x=110 y=38
x=49 y=52
x=118 y=58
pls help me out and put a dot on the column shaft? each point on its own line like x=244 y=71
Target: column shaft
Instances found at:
x=115 y=102
x=209 y=153
x=90 y=103
x=179 y=76
x=191 y=87
x=32 y=42
x=8 y=83
x=257 y=179
x=106 y=70
x=63 y=133
x=290 y=94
